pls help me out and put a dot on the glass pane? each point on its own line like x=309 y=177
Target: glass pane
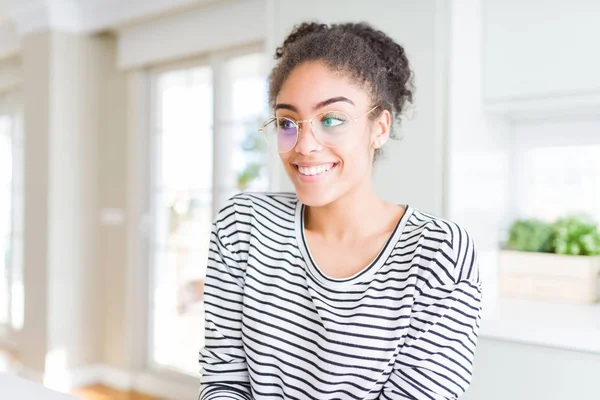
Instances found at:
x=185 y=159
x=17 y=291
x=184 y=142
x=5 y=124
x=561 y=181
x=249 y=110
x=182 y=175
x=6 y=211
x=6 y=193
x=4 y=281
x=185 y=100
x=18 y=163
x=174 y=208
x=18 y=213
x=6 y=160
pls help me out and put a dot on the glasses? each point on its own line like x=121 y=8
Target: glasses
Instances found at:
x=330 y=128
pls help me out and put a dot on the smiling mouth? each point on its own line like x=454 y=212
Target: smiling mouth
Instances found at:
x=314 y=169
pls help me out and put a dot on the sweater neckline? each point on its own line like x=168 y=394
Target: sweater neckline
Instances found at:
x=365 y=273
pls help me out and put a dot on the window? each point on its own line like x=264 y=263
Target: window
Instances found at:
x=558 y=169
x=11 y=213
x=563 y=181
x=205 y=147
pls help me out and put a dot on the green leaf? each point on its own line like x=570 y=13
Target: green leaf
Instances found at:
x=251 y=172
x=530 y=235
x=576 y=235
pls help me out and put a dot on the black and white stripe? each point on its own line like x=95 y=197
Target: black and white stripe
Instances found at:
x=405 y=327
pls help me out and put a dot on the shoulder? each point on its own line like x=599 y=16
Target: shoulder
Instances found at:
x=445 y=245
x=439 y=230
x=245 y=207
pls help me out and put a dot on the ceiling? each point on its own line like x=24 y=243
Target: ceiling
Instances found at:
x=87 y=16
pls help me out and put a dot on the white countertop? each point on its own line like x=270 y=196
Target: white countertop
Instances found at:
x=556 y=324
x=14 y=388
x=544 y=323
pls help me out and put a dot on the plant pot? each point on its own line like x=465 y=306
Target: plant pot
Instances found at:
x=549 y=276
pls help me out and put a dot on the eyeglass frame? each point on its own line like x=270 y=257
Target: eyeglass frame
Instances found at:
x=297 y=123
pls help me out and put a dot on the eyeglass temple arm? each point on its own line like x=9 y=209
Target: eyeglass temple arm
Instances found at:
x=364 y=115
x=267 y=122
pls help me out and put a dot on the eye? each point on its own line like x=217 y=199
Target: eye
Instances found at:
x=333 y=120
x=285 y=124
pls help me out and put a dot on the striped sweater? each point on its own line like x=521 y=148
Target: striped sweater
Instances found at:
x=404 y=327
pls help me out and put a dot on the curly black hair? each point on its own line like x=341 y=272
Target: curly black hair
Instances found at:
x=366 y=55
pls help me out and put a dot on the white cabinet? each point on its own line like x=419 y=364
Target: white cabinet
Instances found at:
x=541 y=56
x=509 y=370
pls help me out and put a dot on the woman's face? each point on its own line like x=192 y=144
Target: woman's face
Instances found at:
x=320 y=173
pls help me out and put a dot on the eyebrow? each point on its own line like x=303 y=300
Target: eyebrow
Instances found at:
x=283 y=106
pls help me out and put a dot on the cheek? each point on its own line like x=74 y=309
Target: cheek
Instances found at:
x=285 y=157
x=357 y=151
x=356 y=159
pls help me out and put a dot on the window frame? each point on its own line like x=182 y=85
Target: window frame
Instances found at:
x=213 y=60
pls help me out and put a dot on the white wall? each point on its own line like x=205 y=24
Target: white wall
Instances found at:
x=411 y=170
x=113 y=150
x=214 y=27
x=63 y=296
x=33 y=338
x=74 y=291
x=9 y=39
x=479 y=145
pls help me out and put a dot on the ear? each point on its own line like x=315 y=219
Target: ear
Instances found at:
x=381 y=130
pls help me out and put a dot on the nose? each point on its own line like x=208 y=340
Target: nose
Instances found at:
x=307 y=141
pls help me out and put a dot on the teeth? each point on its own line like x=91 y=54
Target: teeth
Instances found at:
x=315 y=170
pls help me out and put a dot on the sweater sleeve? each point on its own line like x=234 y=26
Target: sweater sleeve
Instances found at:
x=224 y=373
x=436 y=360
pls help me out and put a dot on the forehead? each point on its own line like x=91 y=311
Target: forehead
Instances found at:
x=314 y=82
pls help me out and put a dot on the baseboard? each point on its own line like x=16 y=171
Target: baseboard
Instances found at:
x=62 y=381
x=166 y=388
x=28 y=373
x=116 y=378
x=83 y=376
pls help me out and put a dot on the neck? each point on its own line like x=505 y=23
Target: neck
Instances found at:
x=349 y=218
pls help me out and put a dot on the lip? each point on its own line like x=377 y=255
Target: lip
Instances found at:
x=312 y=164
x=313 y=178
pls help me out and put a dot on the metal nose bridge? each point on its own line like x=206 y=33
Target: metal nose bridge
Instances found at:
x=304 y=121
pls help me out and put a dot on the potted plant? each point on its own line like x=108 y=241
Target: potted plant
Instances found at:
x=558 y=261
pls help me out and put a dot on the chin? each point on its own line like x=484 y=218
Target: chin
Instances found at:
x=311 y=200
x=315 y=197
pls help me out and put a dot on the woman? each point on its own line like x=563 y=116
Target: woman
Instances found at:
x=331 y=292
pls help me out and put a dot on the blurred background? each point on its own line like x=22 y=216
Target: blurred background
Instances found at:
x=124 y=125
